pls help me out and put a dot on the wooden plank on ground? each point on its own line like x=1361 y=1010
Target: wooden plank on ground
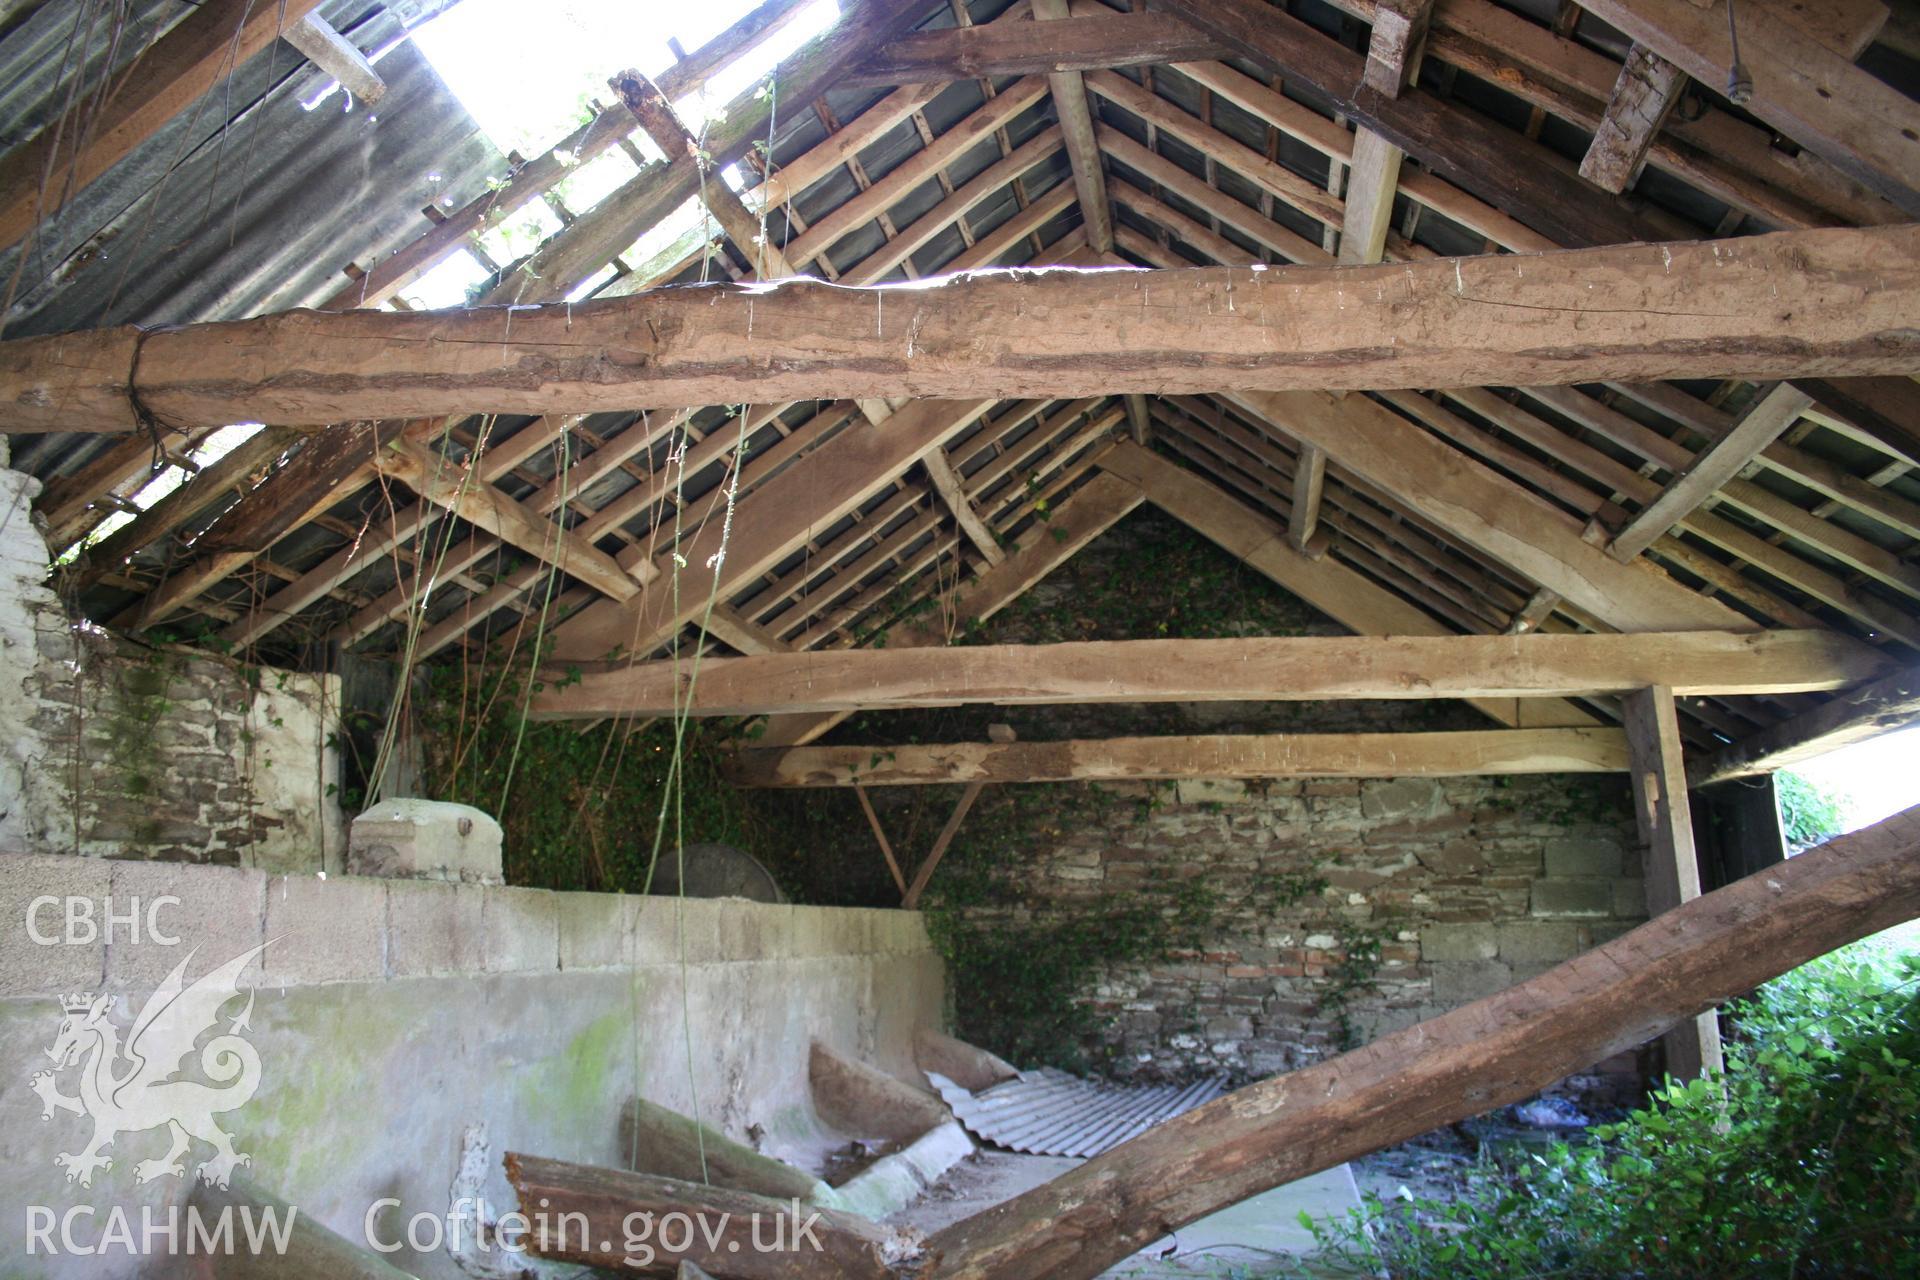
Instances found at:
x=1826 y=302
x=1247 y=756
x=1305 y=668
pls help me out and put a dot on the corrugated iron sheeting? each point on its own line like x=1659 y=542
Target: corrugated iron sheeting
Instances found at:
x=1051 y=1113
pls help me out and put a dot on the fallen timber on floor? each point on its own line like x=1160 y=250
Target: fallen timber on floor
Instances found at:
x=1828 y=302
x=1446 y=1069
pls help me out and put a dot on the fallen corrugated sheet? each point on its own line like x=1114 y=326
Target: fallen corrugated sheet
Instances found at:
x=1051 y=1113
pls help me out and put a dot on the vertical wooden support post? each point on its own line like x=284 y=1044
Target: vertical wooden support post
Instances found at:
x=1659 y=780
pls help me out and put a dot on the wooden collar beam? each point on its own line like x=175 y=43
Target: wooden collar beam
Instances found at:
x=1834 y=301
x=1693 y=663
x=1248 y=756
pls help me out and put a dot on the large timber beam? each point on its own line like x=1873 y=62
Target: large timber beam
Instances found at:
x=1250 y=756
x=1446 y=1069
x=1834 y=301
x=1695 y=663
x=1020 y=49
x=1342 y=593
x=38 y=177
x=1855 y=715
x=1858 y=123
x=1083 y=151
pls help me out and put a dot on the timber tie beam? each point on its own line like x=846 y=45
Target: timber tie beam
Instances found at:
x=1693 y=663
x=1792 y=304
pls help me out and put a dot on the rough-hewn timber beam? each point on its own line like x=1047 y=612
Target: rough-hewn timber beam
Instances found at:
x=446 y=484
x=1020 y=49
x=1251 y=756
x=1834 y=301
x=1446 y=1069
x=1882 y=706
x=338 y=56
x=1858 y=123
x=39 y=176
x=1342 y=593
x=1645 y=93
x=1694 y=663
x=1718 y=463
x=1083 y=152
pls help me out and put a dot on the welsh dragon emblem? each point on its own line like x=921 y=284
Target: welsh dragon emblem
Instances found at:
x=134 y=1087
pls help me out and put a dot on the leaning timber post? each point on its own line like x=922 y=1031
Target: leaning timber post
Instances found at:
x=1658 y=778
x=1484 y=1055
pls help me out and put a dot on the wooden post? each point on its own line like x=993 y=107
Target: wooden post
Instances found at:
x=1659 y=781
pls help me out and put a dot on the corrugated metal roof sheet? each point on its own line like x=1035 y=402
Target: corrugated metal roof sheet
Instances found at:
x=1051 y=1113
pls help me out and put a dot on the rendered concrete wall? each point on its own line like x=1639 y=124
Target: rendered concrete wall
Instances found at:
x=391 y=1017
x=114 y=749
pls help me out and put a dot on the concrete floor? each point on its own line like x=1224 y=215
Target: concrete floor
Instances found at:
x=1247 y=1240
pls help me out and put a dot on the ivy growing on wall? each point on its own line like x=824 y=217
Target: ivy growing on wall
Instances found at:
x=577 y=810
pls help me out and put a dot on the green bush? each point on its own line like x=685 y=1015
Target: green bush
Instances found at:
x=1809 y=814
x=1808 y=1168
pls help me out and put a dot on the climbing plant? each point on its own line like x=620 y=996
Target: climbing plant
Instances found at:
x=577 y=809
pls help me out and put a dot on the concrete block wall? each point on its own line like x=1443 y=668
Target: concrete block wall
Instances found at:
x=115 y=749
x=393 y=1018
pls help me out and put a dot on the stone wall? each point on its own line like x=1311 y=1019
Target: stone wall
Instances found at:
x=112 y=748
x=1464 y=886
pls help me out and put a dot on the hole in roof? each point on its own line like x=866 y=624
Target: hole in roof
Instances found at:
x=527 y=78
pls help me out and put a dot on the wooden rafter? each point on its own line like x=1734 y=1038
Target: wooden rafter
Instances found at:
x=1860 y=124
x=1867 y=711
x=1648 y=89
x=38 y=177
x=338 y=56
x=1720 y=462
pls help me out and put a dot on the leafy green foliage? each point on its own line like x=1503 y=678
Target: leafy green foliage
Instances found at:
x=1809 y=814
x=577 y=810
x=1808 y=1166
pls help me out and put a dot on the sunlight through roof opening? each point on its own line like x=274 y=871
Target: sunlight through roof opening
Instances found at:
x=527 y=73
